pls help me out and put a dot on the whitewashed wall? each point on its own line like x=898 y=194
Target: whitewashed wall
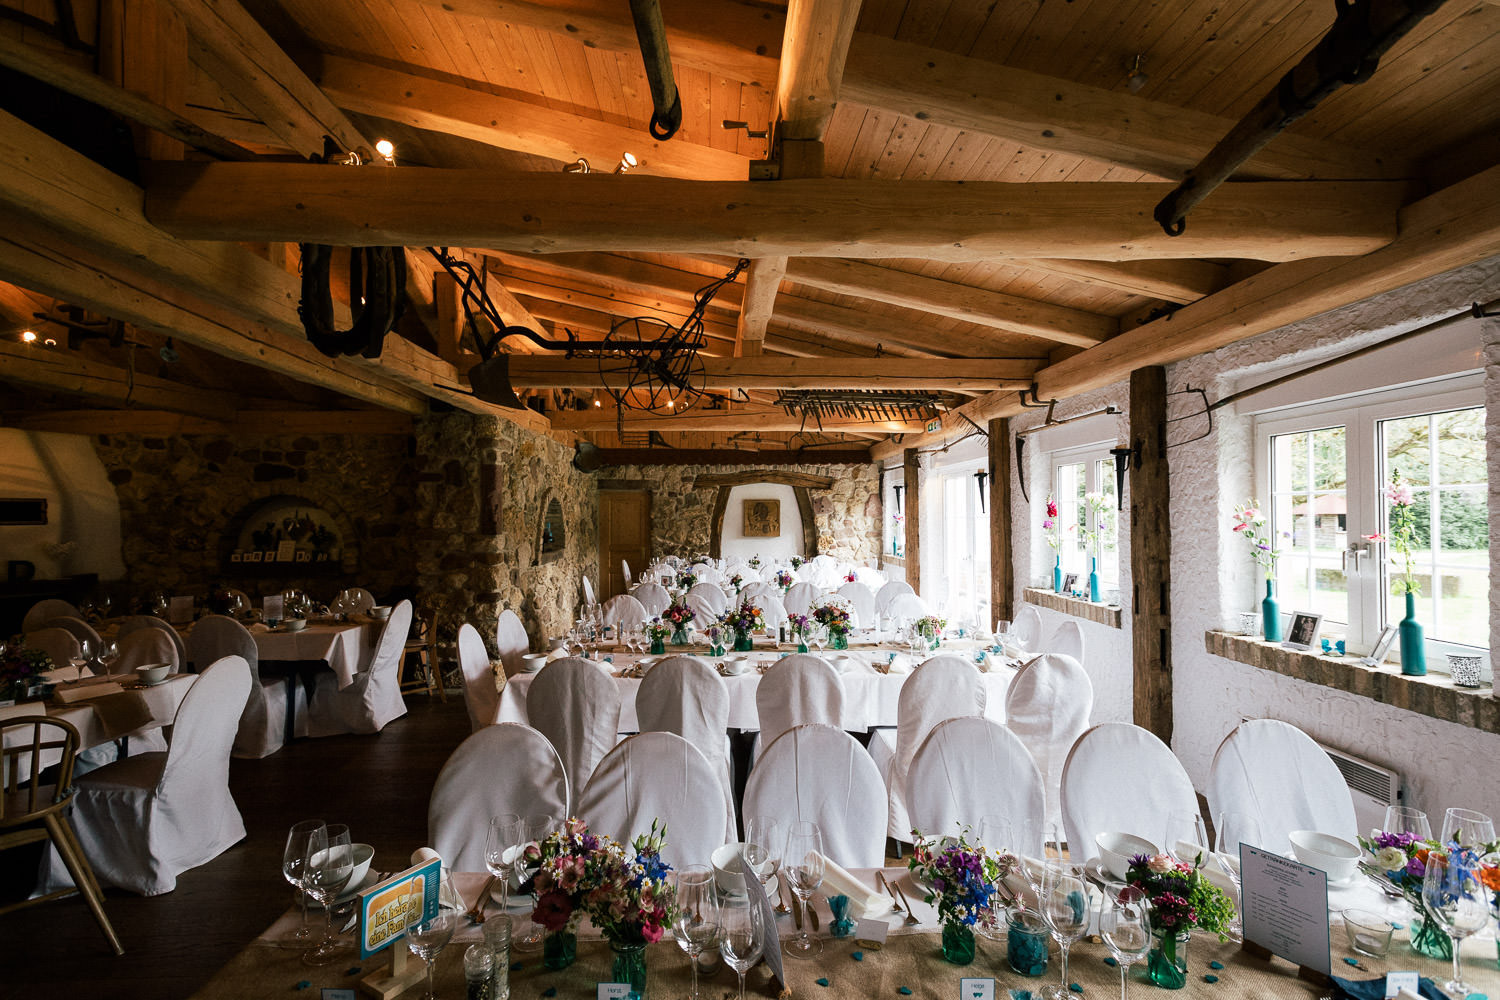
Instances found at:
x=82 y=533
x=787 y=543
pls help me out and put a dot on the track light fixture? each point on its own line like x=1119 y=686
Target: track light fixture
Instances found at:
x=627 y=163
x=1137 y=79
x=578 y=166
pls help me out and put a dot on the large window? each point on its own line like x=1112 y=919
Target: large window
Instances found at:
x=963 y=580
x=1325 y=475
x=1076 y=473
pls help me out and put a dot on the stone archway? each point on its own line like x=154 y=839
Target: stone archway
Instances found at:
x=802 y=485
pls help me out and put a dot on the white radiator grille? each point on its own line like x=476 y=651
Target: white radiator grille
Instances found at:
x=1373 y=787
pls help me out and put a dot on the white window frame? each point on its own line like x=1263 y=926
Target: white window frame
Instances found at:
x=1097 y=463
x=965 y=471
x=1360 y=415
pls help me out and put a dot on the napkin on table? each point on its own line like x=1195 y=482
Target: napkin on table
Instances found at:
x=1374 y=989
x=69 y=695
x=863 y=900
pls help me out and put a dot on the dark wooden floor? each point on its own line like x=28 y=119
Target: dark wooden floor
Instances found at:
x=379 y=785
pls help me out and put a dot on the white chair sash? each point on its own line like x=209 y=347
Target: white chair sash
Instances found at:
x=968 y=769
x=481 y=699
x=1275 y=773
x=1120 y=778
x=577 y=708
x=819 y=774
x=798 y=689
x=1047 y=705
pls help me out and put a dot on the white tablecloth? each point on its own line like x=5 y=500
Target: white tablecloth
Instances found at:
x=346 y=648
x=160 y=704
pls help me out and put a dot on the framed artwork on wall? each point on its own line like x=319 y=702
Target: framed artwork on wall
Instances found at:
x=762 y=518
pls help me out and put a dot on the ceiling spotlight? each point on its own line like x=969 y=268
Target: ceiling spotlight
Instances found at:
x=1137 y=79
x=50 y=342
x=168 y=352
x=387 y=150
x=671 y=403
x=28 y=336
x=627 y=163
x=597 y=403
x=578 y=166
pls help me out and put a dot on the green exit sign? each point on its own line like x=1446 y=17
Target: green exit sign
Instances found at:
x=934 y=425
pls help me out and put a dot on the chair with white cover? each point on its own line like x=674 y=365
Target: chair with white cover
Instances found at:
x=653 y=597
x=625 y=568
x=870 y=577
x=373 y=698
x=504 y=768
x=620 y=610
x=1120 y=778
x=973 y=767
x=888 y=593
x=862 y=600
x=481 y=699
x=1067 y=640
x=1275 y=773
x=145 y=820
x=907 y=607
x=798 y=689
x=706 y=573
x=942 y=687
x=1047 y=705
x=61 y=646
x=800 y=598
x=712 y=594
x=1026 y=630
x=703 y=610
x=136 y=622
x=659 y=776
x=686 y=696
x=588 y=590
x=87 y=638
x=772 y=610
x=819 y=774
x=511 y=642
x=757 y=589
x=262 y=725
x=146 y=647
x=42 y=612
x=577 y=707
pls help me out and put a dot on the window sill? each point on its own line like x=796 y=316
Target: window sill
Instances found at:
x=1103 y=614
x=1433 y=695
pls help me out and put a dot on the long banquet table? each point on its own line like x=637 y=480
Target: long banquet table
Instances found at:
x=122 y=715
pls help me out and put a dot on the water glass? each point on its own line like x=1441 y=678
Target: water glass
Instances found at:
x=293 y=867
x=1125 y=925
x=742 y=936
x=803 y=863
x=537 y=828
x=325 y=873
x=696 y=925
x=1454 y=896
x=1406 y=819
x=1065 y=907
x=426 y=936
x=497 y=937
x=1468 y=828
x=507 y=835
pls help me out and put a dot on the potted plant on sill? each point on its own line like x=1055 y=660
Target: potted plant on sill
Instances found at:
x=1402 y=522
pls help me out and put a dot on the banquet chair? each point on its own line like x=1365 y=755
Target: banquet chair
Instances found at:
x=712 y=594
x=942 y=687
x=42 y=612
x=772 y=610
x=703 y=611
x=37 y=766
x=871 y=577
x=1120 y=778
x=419 y=652
x=706 y=573
x=659 y=776
x=262 y=725
x=87 y=638
x=862 y=599
x=888 y=593
x=623 y=610
x=511 y=642
x=798 y=689
x=625 y=567
x=504 y=768
x=801 y=597
x=137 y=622
x=1026 y=630
x=757 y=589
x=907 y=607
x=146 y=646
x=60 y=645
x=481 y=699
x=686 y=696
x=577 y=707
x=820 y=774
x=970 y=768
x=1067 y=640
x=373 y=698
x=588 y=591
x=1275 y=773
x=653 y=597
x=1047 y=705
x=145 y=820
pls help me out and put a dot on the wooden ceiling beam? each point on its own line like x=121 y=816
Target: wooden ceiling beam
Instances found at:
x=65 y=371
x=815 y=44
x=974 y=374
x=938 y=220
x=734 y=456
x=257 y=423
x=1011 y=313
x=513 y=124
x=574 y=312
x=1171 y=280
x=762 y=283
x=864 y=327
x=739 y=418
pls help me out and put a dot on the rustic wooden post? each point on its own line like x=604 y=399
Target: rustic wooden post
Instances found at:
x=913 y=556
x=1002 y=565
x=1150 y=552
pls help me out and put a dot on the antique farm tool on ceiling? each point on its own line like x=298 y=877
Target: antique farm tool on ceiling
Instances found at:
x=377 y=283
x=864 y=404
x=651 y=32
x=1362 y=32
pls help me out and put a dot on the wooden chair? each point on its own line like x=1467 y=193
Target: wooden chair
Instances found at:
x=31 y=811
x=421 y=651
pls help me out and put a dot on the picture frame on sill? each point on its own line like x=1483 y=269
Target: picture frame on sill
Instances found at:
x=1069 y=582
x=1382 y=647
x=1302 y=634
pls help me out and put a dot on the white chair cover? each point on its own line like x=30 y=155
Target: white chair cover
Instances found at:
x=659 y=776
x=625 y=566
x=798 y=689
x=888 y=593
x=801 y=597
x=1119 y=778
x=819 y=774
x=1047 y=705
x=373 y=698
x=1274 y=772
x=481 y=699
x=706 y=573
x=504 y=768
x=1027 y=629
x=870 y=577
x=58 y=643
x=970 y=768
x=771 y=609
x=862 y=599
x=943 y=687
x=511 y=642
x=87 y=638
x=822 y=571
x=622 y=609
x=262 y=726
x=907 y=607
x=588 y=591
x=703 y=611
x=712 y=594
x=145 y=646
x=686 y=696
x=144 y=820
x=653 y=597
x=757 y=589
x=136 y=622
x=1067 y=640
x=577 y=708
x=42 y=612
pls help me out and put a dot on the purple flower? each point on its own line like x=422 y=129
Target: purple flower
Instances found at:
x=1415 y=868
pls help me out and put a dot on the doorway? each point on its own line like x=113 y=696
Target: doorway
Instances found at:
x=624 y=535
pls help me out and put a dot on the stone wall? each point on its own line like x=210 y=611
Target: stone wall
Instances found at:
x=847 y=515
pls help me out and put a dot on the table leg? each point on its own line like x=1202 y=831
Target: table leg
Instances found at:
x=291 y=706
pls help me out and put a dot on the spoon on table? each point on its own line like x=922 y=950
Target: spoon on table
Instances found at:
x=476 y=912
x=911 y=917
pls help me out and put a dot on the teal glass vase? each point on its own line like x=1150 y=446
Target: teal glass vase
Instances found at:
x=680 y=637
x=1057 y=574
x=743 y=643
x=1094 y=579
x=657 y=646
x=801 y=646
x=1413 y=656
x=559 y=949
x=629 y=967
x=958 y=943
x=1429 y=939
x=1166 y=963
x=1270 y=613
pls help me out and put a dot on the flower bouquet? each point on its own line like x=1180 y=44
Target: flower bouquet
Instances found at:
x=834 y=615
x=782 y=578
x=851 y=578
x=21 y=671
x=1096 y=508
x=755 y=562
x=1249 y=521
x=679 y=615
x=965 y=882
x=686 y=581
x=568 y=864
x=1052 y=535
x=631 y=903
x=798 y=625
x=1402 y=858
x=657 y=631
x=1181 y=899
x=742 y=621
x=737 y=581
x=931 y=628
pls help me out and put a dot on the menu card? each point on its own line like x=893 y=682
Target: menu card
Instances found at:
x=272 y=607
x=1284 y=908
x=771 y=949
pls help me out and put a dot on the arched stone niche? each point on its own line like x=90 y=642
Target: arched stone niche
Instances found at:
x=802 y=486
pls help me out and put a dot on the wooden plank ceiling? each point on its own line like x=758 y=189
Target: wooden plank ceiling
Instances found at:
x=1074 y=284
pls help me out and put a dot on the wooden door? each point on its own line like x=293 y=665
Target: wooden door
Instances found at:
x=624 y=533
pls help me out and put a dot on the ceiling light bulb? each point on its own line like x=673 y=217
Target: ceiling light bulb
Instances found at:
x=671 y=403
x=28 y=336
x=50 y=342
x=386 y=149
x=597 y=403
x=627 y=163
x=578 y=166
x=1137 y=79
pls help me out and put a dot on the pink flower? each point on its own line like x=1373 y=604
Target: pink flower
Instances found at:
x=553 y=910
x=1160 y=863
x=1241 y=526
x=1377 y=537
x=1047 y=523
x=651 y=932
x=1399 y=494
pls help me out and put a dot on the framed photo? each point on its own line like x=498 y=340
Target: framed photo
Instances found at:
x=762 y=518
x=1068 y=582
x=1303 y=632
x=1382 y=646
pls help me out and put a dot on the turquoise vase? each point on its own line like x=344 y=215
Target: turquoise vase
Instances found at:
x=629 y=967
x=743 y=642
x=1094 y=579
x=1270 y=613
x=657 y=646
x=559 y=949
x=1413 y=657
x=958 y=943
x=1057 y=575
x=680 y=636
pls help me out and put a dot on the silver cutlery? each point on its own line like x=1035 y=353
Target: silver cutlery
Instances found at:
x=476 y=912
x=911 y=917
x=883 y=883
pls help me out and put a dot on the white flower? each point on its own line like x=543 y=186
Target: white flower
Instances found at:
x=1160 y=863
x=1390 y=858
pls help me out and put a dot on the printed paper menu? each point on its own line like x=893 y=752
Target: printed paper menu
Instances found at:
x=1284 y=907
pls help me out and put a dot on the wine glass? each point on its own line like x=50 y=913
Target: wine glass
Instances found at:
x=742 y=935
x=109 y=655
x=1232 y=830
x=1407 y=819
x=820 y=637
x=1454 y=896
x=294 y=864
x=329 y=863
x=764 y=839
x=538 y=827
x=1065 y=908
x=501 y=849
x=1184 y=839
x=996 y=837
x=803 y=863
x=428 y=936
x=696 y=925
x=1125 y=925
x=1469 y=828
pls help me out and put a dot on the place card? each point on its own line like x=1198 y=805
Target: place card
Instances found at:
x=1395 y=982
x=332 y=993
x=973 y=988
x=1284 y=910
x=613 y=991
x=272 y=607
x=872 y=932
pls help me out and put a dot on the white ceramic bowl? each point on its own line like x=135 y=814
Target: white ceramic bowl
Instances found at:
x=727 y=875
x=363 y=855
x=1116 y=850
x=153 y=673
x=1334 y=855
x=293 y=624
x=736 y=665
x=532 y=662
x=380 y=612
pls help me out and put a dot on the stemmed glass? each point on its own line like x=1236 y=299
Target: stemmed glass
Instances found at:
x=501 y=850
x=537 y=829
x=1065 y=908
x=1125 y=924
x=696 y=925
x=742 y=935
x=803 y=863
x=294 y=864
x=1453 y=895
x=109 y=656
x=1406 y=819
x=819 y=636
x=325 y=872
x=764 y=839
x=996 y=837
x=427 y=937
x=1232 y=830
x=1469 y=828
x=1184 y=839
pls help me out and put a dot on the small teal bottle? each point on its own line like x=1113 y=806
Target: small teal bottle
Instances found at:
x=1270 y=613
x=1057 y=575
x=1413 y=657
x=1094 y=579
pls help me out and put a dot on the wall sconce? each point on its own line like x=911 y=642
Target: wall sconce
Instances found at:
x=1122 y=459
x=981 y=476
x=627 y=163
x=578 y=166
x=898 y=490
